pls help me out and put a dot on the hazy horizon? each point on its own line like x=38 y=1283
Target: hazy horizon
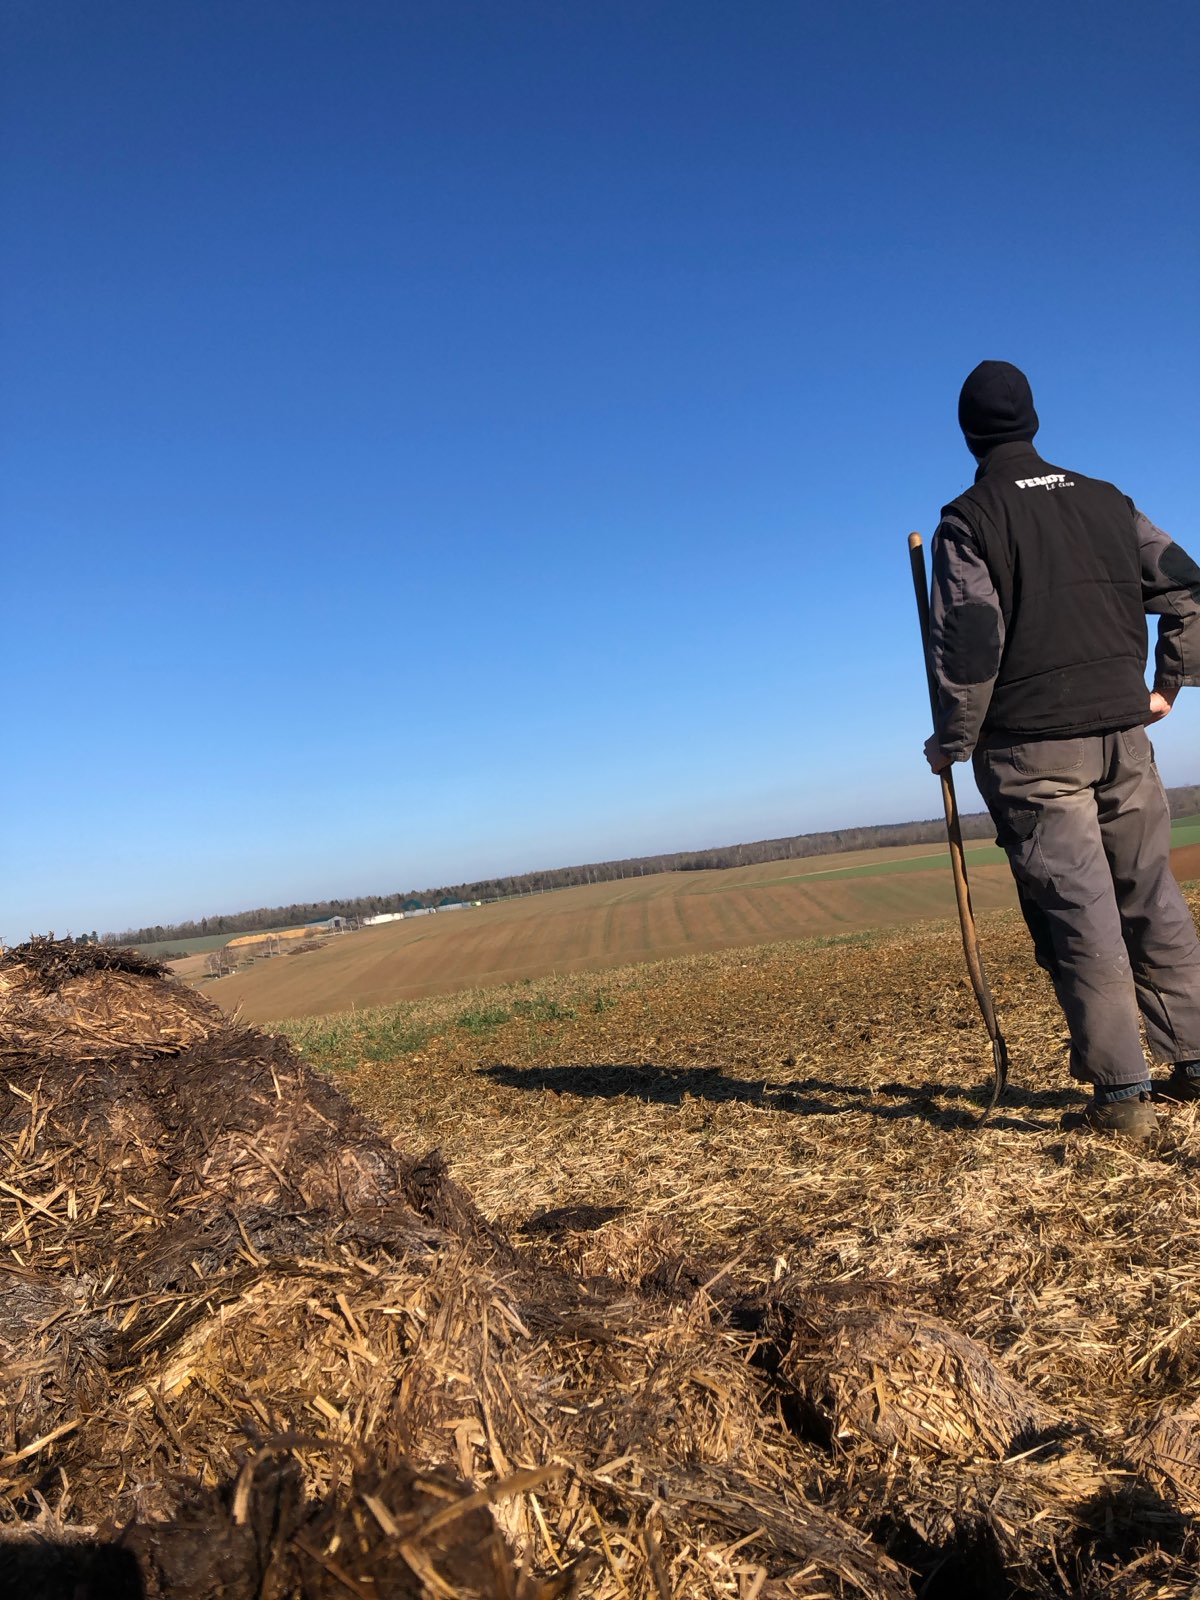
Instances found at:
x=452 y=880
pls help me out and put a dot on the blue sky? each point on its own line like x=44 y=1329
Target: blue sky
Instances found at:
x=446 y=439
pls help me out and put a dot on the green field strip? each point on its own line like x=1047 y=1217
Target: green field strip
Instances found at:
x=987 y=856
x=1184 y=831
x=983 y=855
x=201 y=945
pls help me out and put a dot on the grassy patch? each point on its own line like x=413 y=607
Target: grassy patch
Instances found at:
x=482 y=1019
x=852 y=941
x=345 y=1040
x=542 y=1008
x=381 y=1037
x=342 y=1042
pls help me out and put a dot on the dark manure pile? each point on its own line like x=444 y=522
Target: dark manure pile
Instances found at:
x=252 y=1348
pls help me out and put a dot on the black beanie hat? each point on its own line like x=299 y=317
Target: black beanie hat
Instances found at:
x=996 y=407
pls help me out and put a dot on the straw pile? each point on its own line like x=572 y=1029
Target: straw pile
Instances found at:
x=683 y=1331
x=1167 y=1450
x=251 y=1348
x=894 y=1379
x=93 y=1004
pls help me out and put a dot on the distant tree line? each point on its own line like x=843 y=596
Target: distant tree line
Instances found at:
x=978 y=825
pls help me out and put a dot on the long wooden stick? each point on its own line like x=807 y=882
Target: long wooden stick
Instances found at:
x=958 y=860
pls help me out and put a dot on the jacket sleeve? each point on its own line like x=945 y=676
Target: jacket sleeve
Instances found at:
x=966 y=638
x=1170 y=591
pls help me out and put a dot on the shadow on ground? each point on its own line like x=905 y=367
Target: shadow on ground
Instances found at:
x=34 y=1567
x=946 y=1104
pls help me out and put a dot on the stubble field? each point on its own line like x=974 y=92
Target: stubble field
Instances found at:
x=796 y=1115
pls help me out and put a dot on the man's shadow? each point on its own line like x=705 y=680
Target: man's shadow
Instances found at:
x=945 y=1105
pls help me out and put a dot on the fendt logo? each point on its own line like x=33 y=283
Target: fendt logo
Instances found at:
x=1052 y=480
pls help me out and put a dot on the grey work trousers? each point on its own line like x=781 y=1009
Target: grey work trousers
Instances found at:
x=1086 y=829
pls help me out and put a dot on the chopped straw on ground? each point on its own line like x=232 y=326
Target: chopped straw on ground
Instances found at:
x=713 y=1293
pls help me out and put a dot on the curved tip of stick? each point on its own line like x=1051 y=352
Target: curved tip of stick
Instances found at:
x=999 y=1080
x=914 y=541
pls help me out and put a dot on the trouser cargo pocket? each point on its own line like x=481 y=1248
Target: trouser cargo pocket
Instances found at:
x=1044 y=811
x=1016 y=834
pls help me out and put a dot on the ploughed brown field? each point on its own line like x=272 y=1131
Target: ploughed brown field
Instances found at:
x=612 y=924
x=604 y=925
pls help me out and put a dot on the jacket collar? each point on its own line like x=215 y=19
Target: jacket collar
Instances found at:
x=1006 y=455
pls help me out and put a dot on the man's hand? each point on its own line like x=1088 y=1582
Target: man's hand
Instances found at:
x=1160 y=705
x=938 y=760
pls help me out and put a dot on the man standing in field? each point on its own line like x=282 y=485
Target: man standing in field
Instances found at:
x=1042 y=579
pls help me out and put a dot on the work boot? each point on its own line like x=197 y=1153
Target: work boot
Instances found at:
x=1132 y=1116
x=1183 y=1084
